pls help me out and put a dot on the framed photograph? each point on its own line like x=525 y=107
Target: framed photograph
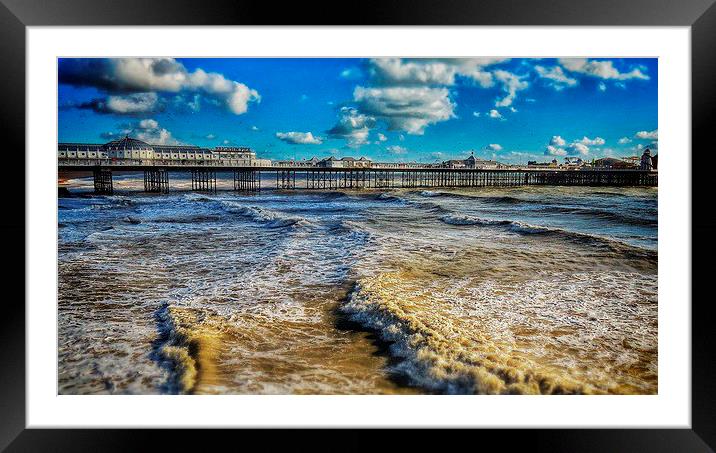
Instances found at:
x=430 y=219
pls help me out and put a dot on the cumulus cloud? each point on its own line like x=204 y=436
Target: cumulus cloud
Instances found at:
x=647 y=135
x=495 y=114
x=145 y=75
x=395 y=149
x=299 y=138
x=577 y=148
x=148 y=130
x=131 y=104
x=352 y=126
x=493 y=147
x=431 y=71
x=382 y=137
x=603 y=69
x=597 y=141
x=554 y=151
x=408 y=109
x=511 y=84
x=556 y=77
x=558 y=146
x=624 y=140
x=476 y=114
x=557 y=140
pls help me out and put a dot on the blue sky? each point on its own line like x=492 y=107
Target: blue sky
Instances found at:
x=512 y=110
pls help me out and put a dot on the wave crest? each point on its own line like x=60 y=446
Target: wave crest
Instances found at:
x=271 y=219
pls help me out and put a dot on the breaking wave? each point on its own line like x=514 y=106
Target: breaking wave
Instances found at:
x=188 y=344
x=272 y=219
x=447 y=346
x=528 y=229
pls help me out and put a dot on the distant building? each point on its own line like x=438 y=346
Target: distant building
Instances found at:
x=472 y=163
x=350 y=162
x=646 y=163
x=655 y=161
x=552 y=164
x=611 y=163
x=331 y=162
x=313 y=162
x=573 y=161
x=345 y=162
x=634 y=161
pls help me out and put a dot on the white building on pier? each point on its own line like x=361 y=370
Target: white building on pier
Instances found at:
x=130 y=151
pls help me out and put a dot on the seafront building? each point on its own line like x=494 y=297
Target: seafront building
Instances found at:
x=131 y=151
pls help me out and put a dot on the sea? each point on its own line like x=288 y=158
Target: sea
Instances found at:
x=504 y=290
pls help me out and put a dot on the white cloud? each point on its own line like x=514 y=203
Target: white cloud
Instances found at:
x=556 y=76
x=381 y=137
x=602 y=86
x=597 y=141
x=476 y=114
x=511 y=84
x=577 y=148
x=210 y=136
x=647 y=135
x=558 y=146
x=408 y=109
x=352 y=126
x=554 y=151
x=133 y=103
x=395 y=149
x=494 y=147
x=144 y=75
x=431 y=71
x=603 y=69
x=299 y=138
x=513 y=110
x=147 y=130
x=254 y=128
x=557 y=140
x=624 y=140
x=495 y=114
x=148 y=124
x=130 y=104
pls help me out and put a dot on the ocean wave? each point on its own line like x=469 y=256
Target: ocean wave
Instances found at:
x=436 y=354
x=486 y=199
x=271 y=219
x=199 y=218
x=529 y=229
x=188 y=344
x=611 y=216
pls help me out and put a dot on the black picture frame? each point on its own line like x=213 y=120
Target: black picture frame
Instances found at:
x=700 y=15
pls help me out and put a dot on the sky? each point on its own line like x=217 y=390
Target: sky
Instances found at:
x=387 y=109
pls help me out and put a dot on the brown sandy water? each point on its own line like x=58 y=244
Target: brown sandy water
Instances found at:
x=358 y=293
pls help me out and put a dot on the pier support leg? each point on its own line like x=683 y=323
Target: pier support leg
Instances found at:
x=156 y=180
x=247 y=180
x=203 y=180
x=103 y=181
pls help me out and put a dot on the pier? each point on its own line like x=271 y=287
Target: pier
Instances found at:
x=248 y=179
x=158 y=162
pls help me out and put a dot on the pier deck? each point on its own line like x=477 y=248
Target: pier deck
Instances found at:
x=156 y=177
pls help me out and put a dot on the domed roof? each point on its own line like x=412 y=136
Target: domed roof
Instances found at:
x=127 y=143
